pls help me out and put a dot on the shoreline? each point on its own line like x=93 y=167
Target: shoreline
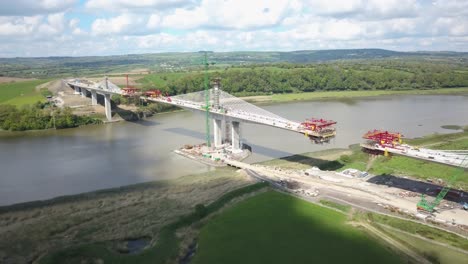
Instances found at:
x=299 y=97
x=112 y=216
x=337 y=95
x=327 y=155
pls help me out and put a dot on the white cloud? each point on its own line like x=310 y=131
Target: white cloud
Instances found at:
x=34 y=7
x=154 y=21
x=73 y=23
x=334 y=6
x=132 y=26
x=233 y=14
x=125 y=23
x=135 y=4
x=33 y=27
x=365 y=9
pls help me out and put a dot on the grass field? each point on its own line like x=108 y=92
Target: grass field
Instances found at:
x=159 y=80
x=21 y=93
x=166 y=247
x=277 y=228
x=438 y=253
x=419 y=229
x=398 y=165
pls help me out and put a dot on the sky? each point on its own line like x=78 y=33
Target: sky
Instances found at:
x=40 y=28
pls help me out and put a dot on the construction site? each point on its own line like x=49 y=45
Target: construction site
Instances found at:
x=224 y=115
x=224 y=146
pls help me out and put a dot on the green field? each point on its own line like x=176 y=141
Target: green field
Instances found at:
x=160 y=80
x=438 y=253
x=277 y=228
x=21 y=93
x=419 y=229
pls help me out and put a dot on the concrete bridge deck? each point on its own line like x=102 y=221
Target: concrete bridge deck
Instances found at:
x=447 y=157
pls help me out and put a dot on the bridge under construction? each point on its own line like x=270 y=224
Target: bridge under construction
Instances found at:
x=385 y=142
x=224 y=109
x=228 y=112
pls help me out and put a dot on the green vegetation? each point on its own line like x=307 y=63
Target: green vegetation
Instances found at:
x=432 y=251
x=277 y=228
x=453 y=141
x=40 y=116
x=398 y=165
x=107 y=217
x=394 y=165
x=177 y=62
x=160 y=80
x=21 y=93
x=373 y=78
x=22 y=107
x=167 y=246
x=420 y=229
x=341 y=207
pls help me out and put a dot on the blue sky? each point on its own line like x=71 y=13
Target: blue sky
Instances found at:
x=105 y=27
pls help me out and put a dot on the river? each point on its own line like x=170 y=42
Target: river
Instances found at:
x=46 y=164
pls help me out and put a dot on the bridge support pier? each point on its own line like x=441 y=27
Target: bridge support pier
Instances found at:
x=227 y=132
x=107 y=106
x=217 y=132
x=83 y=92
x=77 y=90
x=235 y=141
x=93 y=97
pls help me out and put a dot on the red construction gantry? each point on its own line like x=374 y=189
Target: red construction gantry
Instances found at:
x=153 y=93
x=384 y=138
x=317 y=124
x=129 y=90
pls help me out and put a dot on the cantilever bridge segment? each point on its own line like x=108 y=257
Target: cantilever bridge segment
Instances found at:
x=225 y=110
x=380 y=141
x=232 y=111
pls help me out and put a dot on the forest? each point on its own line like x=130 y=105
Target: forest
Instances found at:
x=40 y=116
x=335 y=76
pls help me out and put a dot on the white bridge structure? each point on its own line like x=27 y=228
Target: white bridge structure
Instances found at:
x=227 y=111
x=455 y=158
x=105 y=88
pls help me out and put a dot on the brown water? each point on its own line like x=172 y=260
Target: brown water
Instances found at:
x=42 y=165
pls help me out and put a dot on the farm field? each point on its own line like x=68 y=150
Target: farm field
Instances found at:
x=276 y=228
x=20 y=93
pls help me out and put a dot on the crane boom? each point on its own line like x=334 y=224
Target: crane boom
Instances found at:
x=427 y=206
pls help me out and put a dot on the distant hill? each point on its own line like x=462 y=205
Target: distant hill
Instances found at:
x=77 y=66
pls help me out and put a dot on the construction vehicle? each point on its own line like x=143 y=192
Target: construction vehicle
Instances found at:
x=425 y=206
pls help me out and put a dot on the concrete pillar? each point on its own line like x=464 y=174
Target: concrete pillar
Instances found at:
x=235 y=141
x=83 y=92
x=107 y=106
x=226 y=131
x=217 y=131
x=93 y=97
x=77 y=90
